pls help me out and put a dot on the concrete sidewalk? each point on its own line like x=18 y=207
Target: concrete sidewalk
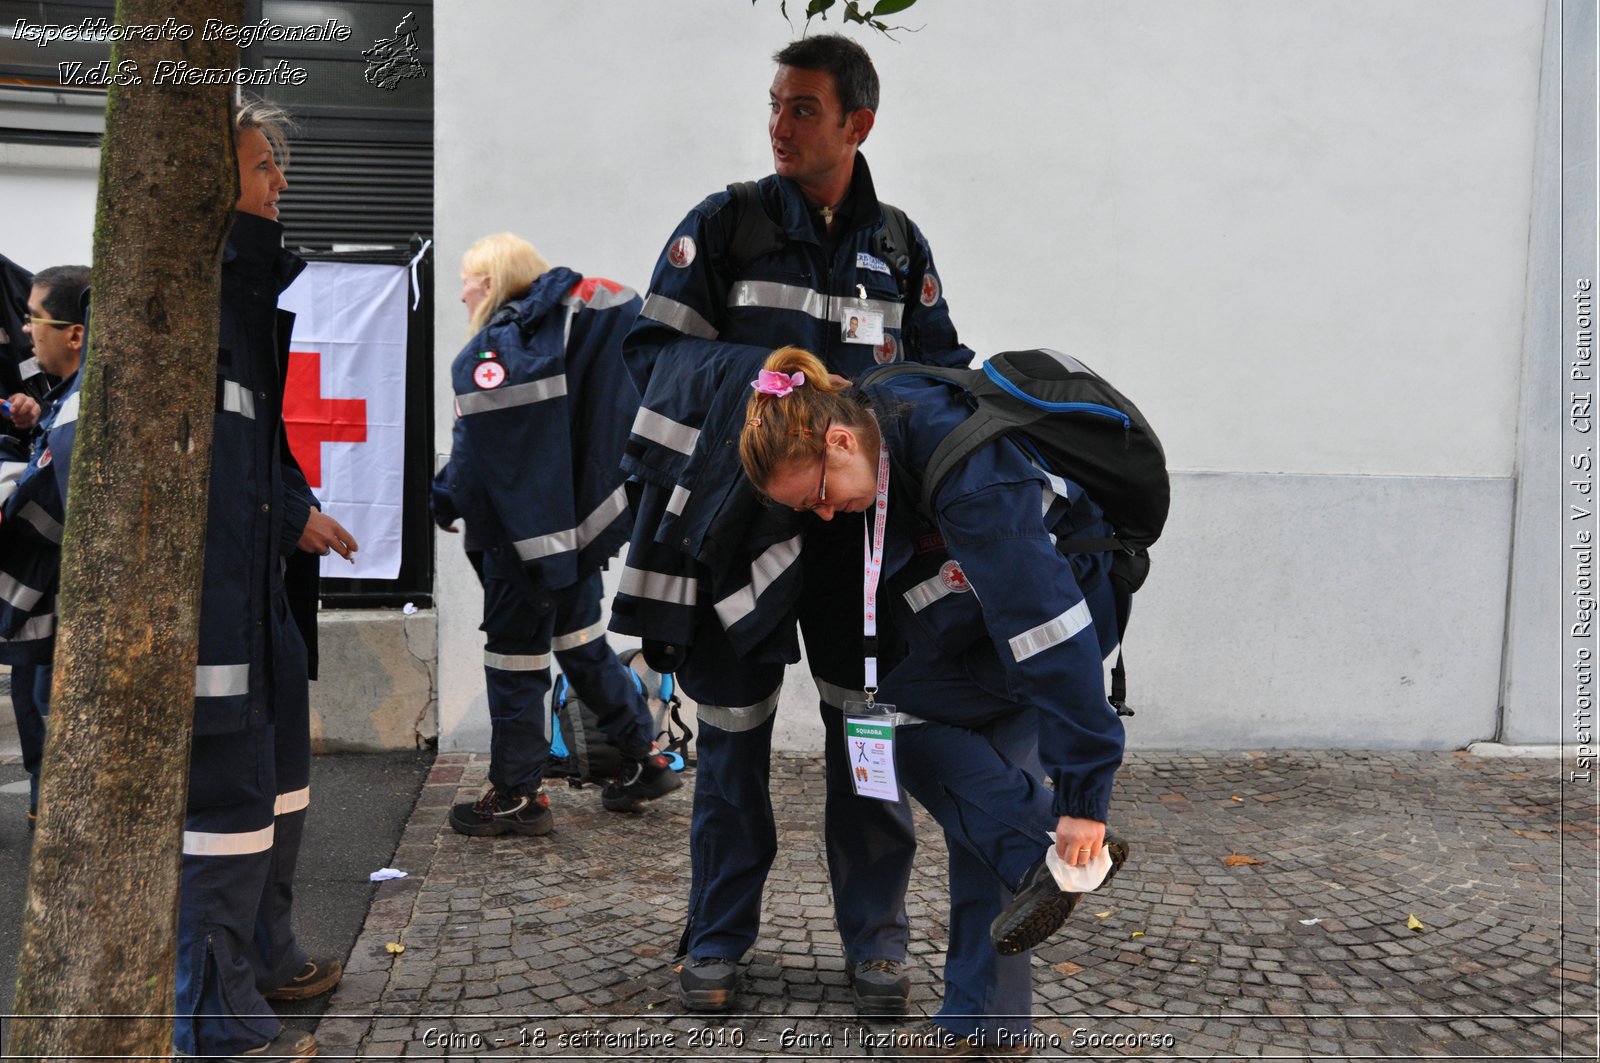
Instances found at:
x=1298 y=947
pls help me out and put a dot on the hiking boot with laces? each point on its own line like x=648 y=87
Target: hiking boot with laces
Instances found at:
x=706 y=984
x=881 y=987
x=641 y=781
x=1041 y=906
x=497 y=813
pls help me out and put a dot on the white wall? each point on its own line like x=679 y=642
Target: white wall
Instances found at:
x=49 y=195
x=1297 y=234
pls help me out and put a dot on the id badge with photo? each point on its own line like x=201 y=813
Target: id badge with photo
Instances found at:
x=869 y=748
x=859 y=325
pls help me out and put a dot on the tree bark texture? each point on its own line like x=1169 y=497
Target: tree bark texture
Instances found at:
x=96 y=972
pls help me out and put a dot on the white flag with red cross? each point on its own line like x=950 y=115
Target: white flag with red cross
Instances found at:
x=344 y=404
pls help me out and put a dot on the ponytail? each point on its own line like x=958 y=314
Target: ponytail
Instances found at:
x=794 y=402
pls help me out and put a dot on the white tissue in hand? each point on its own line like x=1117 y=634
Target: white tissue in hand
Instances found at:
x=1084 y=878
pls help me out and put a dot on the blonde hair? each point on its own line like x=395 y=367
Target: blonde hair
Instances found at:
x=275 y=123
x=510 y=263
x=779 y=430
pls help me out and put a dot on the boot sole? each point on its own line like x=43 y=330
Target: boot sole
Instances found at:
x=706 y=1000
x=1035 y=922
x=502 y=826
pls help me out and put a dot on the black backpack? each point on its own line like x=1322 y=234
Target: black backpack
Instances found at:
x=580 y=751
x=1077 y=426
x=755 y=234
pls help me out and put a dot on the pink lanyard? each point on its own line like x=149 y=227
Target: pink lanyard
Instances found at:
x=873 y=547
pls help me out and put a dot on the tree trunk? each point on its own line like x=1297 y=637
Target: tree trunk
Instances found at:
x=96 y=970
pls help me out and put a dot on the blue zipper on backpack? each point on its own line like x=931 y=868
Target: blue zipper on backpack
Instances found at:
x=1094 y=408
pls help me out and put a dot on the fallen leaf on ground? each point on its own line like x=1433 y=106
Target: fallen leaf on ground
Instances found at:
x=1236 y=797
x=1239 y=860
x=395 y=948
x=1310 y=922
x=1137 y=934
x=1101 y=915
x=1413 y=923
x=1067 y=967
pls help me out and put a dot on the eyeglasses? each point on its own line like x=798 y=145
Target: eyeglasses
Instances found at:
x=822 y=482
x=49 y=321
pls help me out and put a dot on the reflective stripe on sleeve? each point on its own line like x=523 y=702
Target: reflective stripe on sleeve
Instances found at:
x=679 y=499
x=200 y=843
x=294 y=801
x=18 y=593
x=236 y=398
x=573 y=639
x=42 y=522
x=926 y=593
x=1051 y=633
x=764 y=571
x=659 y=587
x=221 y=680
x=35 y=628
x=575 y=538
x=516 y=662
x=664 y=430
x=551 y=387
x=676 y=315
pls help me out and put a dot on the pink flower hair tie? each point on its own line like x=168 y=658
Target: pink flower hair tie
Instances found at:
x=777 y=384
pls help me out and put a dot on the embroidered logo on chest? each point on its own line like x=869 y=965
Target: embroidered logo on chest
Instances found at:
x=954 y=580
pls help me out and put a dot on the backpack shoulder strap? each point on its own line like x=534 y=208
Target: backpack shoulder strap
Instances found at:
x=893 y=244
x=754 y=232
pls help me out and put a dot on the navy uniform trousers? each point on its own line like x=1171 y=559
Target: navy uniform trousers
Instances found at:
x=521 y=635
x=972 y=760
x=30 y=704
x=248 y=794
x=870 y=844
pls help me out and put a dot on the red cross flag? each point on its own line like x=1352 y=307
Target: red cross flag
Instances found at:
x=344 y=405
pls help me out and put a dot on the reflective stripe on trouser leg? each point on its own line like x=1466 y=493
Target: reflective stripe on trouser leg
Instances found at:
x=516 y=670
x=228 y=840
x=732 y=840
x=596 y=675
x=278 y=956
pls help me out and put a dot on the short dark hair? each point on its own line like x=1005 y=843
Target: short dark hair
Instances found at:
x=854 y=77
x=63 y=291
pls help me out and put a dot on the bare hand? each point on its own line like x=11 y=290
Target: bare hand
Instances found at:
x=24 y=411
x=324 y=535
x=1078 y=841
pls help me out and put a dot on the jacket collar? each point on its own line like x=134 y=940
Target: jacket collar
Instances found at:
x=255 y=248
x=549 y=288
x=862 y=198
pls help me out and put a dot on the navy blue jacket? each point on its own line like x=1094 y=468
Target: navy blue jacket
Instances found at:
x=702 y=539
x=33 y=486
x=543 y=406
x=259 y=501
x=985 y=584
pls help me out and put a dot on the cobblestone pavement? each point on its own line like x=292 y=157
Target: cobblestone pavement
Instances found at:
x=1296 y=948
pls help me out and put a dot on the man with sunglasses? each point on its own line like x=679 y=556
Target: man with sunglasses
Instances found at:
x=30 y=550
